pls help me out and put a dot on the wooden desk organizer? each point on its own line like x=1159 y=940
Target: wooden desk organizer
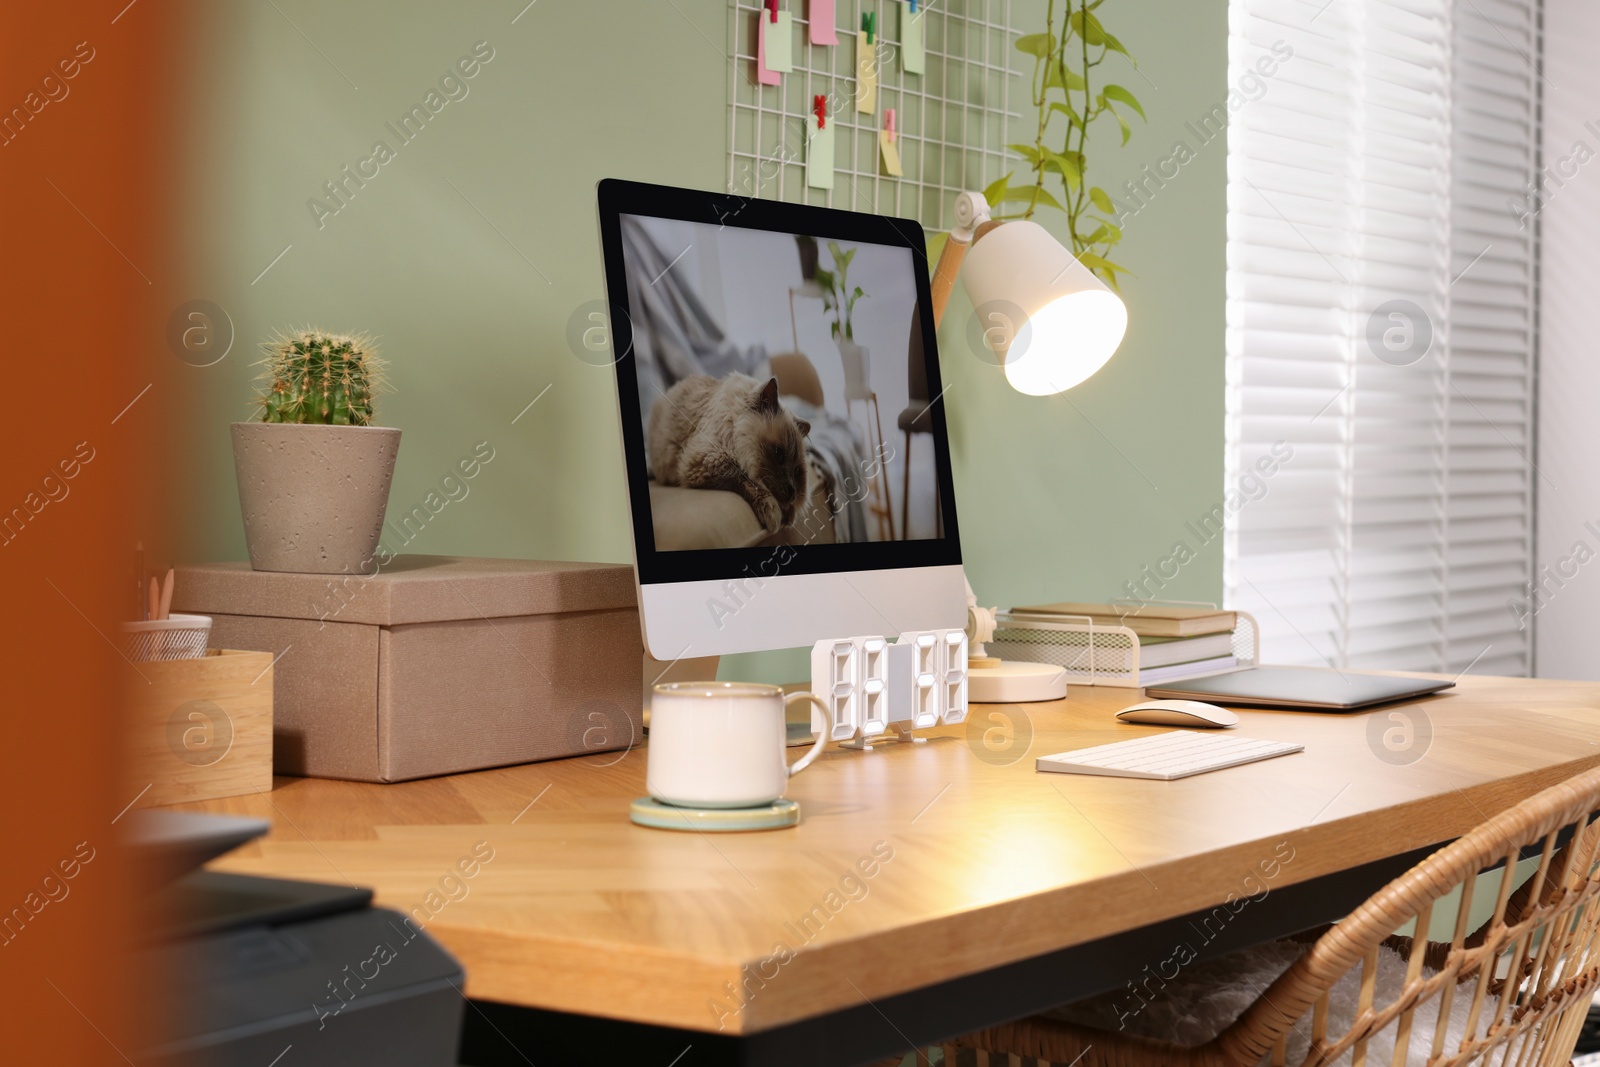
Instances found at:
x=199 y=729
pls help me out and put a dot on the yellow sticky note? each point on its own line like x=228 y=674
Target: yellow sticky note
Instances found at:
x=890 y=152
x=866 y=74
x=780 y=44
x=913 y=56
x=819 y=155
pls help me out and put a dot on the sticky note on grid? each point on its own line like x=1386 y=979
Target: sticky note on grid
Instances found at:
x=913 y=56
x=780 y=44
x=866 y=74
x=890 y=151
x=822 y=27
x=764 y=75
x=819 y=155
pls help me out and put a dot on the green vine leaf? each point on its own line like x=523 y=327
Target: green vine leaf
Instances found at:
x=1105 y=233
x=1106 y=269
x=1025 y=196
x=997 y=189
x=1072 y=113
x=1102 y=201
x=1028 y=152
x=1088 y=27
x=1122 y=96
x=1116 y=46
x=1089 y=259
x=1093 y=31
x=1127 y=132
x=1036 y=44
x=1069 y=167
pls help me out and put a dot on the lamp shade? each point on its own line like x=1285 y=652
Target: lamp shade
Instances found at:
x=1041 y=311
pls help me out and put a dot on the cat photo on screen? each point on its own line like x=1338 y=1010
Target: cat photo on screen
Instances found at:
x=734 y=435
x=768 y=367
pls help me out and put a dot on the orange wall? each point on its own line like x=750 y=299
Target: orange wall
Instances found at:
x=85 y=241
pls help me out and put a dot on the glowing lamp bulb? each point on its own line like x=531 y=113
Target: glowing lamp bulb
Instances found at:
x=1043 y=313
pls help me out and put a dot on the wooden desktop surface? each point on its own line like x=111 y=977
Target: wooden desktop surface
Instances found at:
x=974 y=862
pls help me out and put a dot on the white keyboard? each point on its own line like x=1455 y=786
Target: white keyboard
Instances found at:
x=1175 y=754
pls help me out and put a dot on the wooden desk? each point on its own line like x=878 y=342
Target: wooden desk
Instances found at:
x=941 y=866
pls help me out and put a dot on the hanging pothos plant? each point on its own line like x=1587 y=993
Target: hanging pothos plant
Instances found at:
x=1066 y=83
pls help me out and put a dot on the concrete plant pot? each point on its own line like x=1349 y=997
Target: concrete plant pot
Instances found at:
x=313 y=497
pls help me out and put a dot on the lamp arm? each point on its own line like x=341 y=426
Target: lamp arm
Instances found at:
x=980 y=623
x=972 y=222
x=946 y=272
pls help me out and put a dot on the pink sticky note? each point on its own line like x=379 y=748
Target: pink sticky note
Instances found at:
x=763 y=75
x=822 y=29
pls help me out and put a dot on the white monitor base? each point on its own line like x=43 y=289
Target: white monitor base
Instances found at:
x=1016 y=682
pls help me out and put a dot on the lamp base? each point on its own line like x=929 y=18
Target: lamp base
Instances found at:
x=1016 y=682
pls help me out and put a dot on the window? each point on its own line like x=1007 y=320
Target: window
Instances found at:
x=1380 y=330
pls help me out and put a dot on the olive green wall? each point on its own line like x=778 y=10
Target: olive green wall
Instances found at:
x=471 y=249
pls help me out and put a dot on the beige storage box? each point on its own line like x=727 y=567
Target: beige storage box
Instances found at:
x=437 y=665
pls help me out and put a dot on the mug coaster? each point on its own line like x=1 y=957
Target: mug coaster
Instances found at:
x=648 y=811
x=800 y=735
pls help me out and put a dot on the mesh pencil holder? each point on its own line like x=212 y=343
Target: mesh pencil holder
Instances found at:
x=175 y=637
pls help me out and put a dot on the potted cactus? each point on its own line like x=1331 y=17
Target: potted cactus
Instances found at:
x=313 y=471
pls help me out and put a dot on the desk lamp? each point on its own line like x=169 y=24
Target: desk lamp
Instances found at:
x=1052 y=324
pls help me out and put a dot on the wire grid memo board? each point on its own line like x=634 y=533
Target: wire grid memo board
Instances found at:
x=950 y=120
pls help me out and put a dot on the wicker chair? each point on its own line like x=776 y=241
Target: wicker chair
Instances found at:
x=1530 y=969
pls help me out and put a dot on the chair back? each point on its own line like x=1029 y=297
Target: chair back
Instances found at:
x=797 y=377
x=1527 y=972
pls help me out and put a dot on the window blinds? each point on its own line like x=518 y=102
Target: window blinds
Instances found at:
x=1380 y=332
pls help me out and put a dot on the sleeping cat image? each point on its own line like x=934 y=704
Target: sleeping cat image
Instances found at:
x=731 y=434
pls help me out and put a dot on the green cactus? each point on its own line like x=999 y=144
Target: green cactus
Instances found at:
x=324 y=378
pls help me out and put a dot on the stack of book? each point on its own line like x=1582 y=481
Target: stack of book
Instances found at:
x=1176 y=642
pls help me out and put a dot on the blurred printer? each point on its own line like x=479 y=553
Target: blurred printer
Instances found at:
x=254 y=967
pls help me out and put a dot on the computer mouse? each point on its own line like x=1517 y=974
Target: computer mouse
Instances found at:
x=1178 y=713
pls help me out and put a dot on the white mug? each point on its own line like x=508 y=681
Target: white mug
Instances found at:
x=722 y=744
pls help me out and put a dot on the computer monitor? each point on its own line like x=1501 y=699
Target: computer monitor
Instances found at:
x=783 y=422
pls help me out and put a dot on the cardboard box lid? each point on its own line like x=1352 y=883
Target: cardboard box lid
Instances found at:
x=410 y=589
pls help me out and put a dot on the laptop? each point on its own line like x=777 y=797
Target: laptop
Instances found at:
x=1298 y=688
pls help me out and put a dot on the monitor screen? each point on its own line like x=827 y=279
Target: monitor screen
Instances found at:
x=779 y=385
